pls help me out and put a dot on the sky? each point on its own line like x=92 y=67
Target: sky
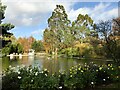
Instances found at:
x=30 y=17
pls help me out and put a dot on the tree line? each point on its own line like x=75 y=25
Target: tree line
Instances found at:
x=82 y=37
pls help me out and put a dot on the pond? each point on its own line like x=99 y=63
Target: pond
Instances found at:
x=51 y=63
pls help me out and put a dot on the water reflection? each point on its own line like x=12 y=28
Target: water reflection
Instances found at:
x=52 y=64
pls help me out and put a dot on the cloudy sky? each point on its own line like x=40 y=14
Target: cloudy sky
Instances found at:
x=30 y=18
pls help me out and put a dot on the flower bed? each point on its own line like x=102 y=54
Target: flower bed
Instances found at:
x=80 y=76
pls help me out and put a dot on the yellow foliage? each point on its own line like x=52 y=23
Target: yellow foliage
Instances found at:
x=82 y=45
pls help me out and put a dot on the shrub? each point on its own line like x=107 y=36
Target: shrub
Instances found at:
x=80 y=76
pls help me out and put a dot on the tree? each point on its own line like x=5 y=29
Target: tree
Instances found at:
x=116 y=27
x=46 y=40
x=58 y=25
x=60 y=34
x=2 y=12
x=111 y=45
x=19 y=48
x=115 y=37
x=26 y=43
x=38 y=46
x=81 y=26
x=12 y=48
x=4 y=28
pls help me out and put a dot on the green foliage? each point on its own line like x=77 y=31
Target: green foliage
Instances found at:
x=30 y=78
x=12 y=48
x=78 y=52
x=70 y=52
x=61 y=33
x=81 y=26
x=2 y=11
x=38 y=46
x=11 y=80
x=58 y=32
x=78 y=77
x=19 y=48
x=4 y=27
x=5 y=50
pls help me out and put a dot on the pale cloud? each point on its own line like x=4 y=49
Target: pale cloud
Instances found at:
x=31 y=13
x=99 y=12
x=107 y=15
x=72 y=15
x=101 y=7
x=37 y=32
x=23 y=13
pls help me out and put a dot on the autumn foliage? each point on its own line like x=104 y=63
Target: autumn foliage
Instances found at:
x=26 y=43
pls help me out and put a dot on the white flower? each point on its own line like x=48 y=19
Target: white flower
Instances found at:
x=70 y=72
x=92 y=82
x=103 y=79
x=23 y=65
x=36 y=73
x=96 y=70
x=45 y=74
x=13 y=68
x=30 y=70
x=19 y=77
x=10 y=66
x=59 y=71
x=18 y=72
x=31 y=80
x=100 y=68
x=60 y=87
x=81 y=70
x=108 y=64
x=70 y=75
x=45 y=69
x=118 y=66
x=59 y=76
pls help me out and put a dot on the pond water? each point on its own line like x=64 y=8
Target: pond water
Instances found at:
x=51 y=63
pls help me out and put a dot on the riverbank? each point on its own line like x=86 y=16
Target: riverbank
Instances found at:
x=41 y=54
